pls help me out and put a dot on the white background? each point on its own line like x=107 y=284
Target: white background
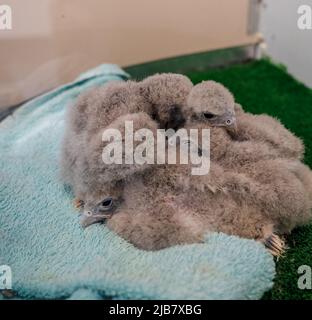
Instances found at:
x=286 y=43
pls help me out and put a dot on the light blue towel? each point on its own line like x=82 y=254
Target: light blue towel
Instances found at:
x=51 y=256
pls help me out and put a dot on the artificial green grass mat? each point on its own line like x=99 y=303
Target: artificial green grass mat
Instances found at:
x=262 y=87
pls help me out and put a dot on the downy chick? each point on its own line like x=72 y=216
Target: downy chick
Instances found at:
x=276 y=170
x=107 y=107
x=168 y=206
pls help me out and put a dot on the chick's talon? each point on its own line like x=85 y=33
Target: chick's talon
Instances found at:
x=78 y=204
x=275 y=245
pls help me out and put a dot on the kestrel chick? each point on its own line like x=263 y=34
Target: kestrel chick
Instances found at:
x=212 y=103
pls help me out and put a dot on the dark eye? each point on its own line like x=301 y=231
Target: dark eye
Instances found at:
x=208 y=115
x=106 y=203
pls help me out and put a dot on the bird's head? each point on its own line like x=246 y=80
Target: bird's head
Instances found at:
x=211 y=103
x=102 y=204
x=167 y=92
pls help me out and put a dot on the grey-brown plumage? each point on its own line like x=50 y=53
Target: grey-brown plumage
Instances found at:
x=249 y=192
x=148 y=104
x=210 y=104
x=266 y=193
x=169 y=206
x=261 y=149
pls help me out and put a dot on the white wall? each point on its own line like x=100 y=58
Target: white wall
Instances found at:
x=52 y=41
x=286 y=43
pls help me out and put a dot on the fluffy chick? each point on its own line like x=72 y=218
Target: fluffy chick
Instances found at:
x=85 y=121
x=247 y=138
x=254 y=138
x=262 y=157
x=108 y=106
x=168 y=206
x=158 y=96
x=94 y=182
x=163 y=206
x=211 y=102
x=167 y=92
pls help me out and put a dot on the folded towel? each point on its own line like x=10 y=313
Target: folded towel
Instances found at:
x=51 y=256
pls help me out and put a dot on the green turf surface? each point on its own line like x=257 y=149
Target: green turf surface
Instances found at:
x=261 y=87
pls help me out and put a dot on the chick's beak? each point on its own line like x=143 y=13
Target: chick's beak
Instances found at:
x=89 y=217
x=231 y=124
x=227 y=120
